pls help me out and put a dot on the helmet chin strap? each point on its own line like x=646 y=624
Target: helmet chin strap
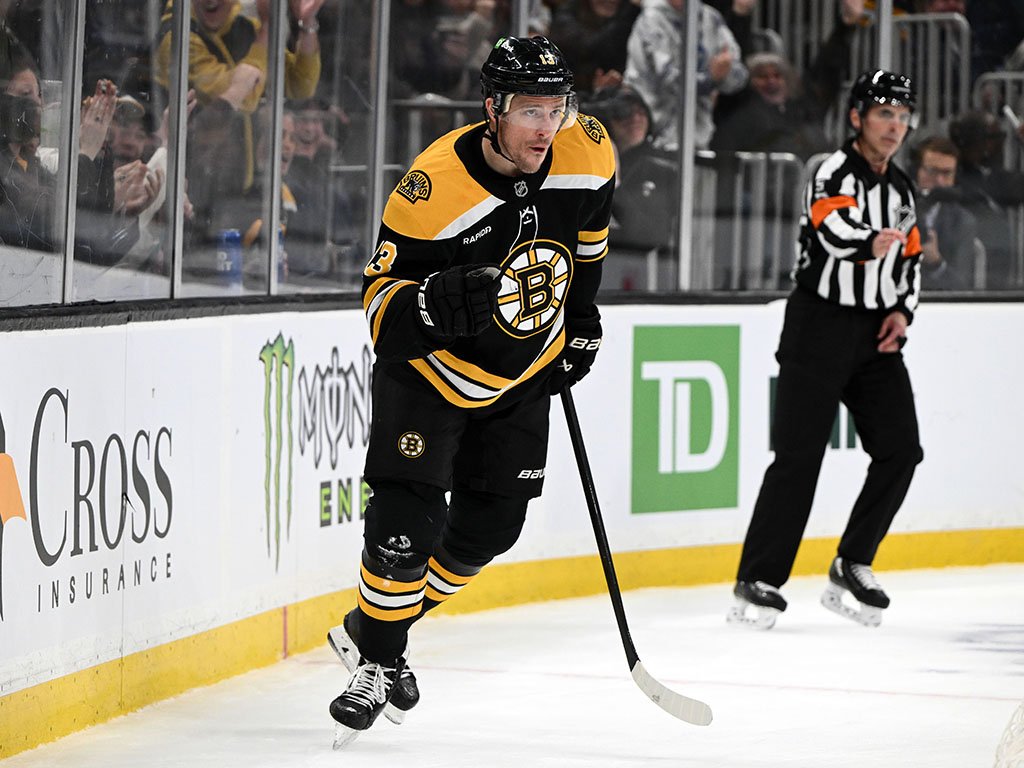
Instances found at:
x=493 y=137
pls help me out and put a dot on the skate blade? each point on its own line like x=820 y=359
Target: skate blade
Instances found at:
x=764 y=619
x=343 y=736
x=866 y=615
x=343 y=646
x=394 y=714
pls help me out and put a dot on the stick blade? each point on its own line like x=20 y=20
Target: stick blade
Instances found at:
x=677 y=705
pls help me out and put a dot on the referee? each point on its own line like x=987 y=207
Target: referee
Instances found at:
x=857 y=284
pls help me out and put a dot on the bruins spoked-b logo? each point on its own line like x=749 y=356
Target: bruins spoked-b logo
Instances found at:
x=534 y=280
x=415 y=186
x=411 y=445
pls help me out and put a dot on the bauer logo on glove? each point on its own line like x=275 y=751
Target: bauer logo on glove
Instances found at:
x=459 y=301
x=583 y=340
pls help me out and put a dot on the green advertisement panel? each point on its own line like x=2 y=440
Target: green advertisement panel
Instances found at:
x=685 y=417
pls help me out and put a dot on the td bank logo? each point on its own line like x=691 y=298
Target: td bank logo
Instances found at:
x=277 y=430
x=685 y=417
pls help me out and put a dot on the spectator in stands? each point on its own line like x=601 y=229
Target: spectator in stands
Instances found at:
x=312 y=140
x=129 y=135
x=739 y=16
x=455 y=40
x=997 y=29
x=28 y=181
x=437 y=49
x=593 y=35
x=228 y=70
x=12 y=51
x=771 y=114
x=27 y=200
x=249 y=211
x=949 y=244
x=149 y=253
x=324 y=227
x=456 y=37
x=228 y=59
x=136 y=186
x=118 y=40
x=645 y=208
x=989 y=190
x=654 y=67
x=110 y=199
x=540 y=18
x=778 y=111
x=410 y=48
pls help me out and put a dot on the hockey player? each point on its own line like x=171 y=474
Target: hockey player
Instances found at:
x=857 y=284
x=480 y=303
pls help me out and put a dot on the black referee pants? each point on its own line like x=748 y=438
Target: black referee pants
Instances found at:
x=828 y=354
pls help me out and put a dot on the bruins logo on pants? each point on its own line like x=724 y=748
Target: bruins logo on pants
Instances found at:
x=411 y=445
x=534 y=280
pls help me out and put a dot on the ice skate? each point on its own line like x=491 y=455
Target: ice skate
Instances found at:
x=765 y=599
x=344 y=640
x=856 y=579
x=368 y=692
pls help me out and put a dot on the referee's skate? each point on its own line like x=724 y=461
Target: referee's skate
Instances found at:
x=765 y=601
x=856 y=579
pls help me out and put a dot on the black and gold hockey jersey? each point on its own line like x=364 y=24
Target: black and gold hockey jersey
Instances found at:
x=548 y=232
x=845 y=205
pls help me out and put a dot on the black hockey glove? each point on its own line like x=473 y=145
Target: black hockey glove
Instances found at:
x=459 y=301
x=582 y=340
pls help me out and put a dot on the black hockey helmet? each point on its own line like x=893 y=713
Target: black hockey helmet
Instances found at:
x=881 y=87
x=526 y=65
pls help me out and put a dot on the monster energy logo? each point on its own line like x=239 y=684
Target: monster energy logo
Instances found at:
x=334 y=406
x=277 y=356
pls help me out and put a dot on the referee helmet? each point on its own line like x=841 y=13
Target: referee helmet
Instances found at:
x=887 y=88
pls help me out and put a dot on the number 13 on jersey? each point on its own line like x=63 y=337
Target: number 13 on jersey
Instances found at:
x=382 y=260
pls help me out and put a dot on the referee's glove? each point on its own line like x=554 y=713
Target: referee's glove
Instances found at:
x=459 y=301
x=582 y=340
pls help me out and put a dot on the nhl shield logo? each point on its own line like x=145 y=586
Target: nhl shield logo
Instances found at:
x=415 y=186
x=521 y=188
x=905 y=219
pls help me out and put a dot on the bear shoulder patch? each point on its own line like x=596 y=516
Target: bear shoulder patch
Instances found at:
x=414 y=186
x=591 y=127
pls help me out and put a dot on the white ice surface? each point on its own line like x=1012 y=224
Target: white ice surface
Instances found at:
x=547 y=685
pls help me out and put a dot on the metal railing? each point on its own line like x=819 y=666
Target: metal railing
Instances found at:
x=746 y=217
x=802 y=25
x=1002 y=93
x=933 y=49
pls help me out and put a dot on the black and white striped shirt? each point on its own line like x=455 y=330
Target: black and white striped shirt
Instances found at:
x=845 y=205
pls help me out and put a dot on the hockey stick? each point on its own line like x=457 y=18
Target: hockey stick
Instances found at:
x=677 y=705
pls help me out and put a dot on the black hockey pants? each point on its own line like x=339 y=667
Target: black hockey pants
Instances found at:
x=827 y=355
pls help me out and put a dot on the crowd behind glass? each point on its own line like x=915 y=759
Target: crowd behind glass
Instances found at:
x=144 y=147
